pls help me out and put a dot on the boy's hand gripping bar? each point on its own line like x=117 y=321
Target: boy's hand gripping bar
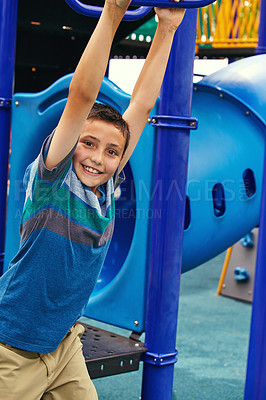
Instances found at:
x=144 y=7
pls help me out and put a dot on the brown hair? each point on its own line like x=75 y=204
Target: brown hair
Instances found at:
x=104 y=112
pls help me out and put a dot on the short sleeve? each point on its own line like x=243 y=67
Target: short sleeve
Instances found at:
x=51 y=174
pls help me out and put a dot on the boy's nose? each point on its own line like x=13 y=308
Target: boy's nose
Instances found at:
x=97 y=158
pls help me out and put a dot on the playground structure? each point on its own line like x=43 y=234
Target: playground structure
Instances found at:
x=225 y=28
x=237 y=277
x=228 y=25
x=226 y=101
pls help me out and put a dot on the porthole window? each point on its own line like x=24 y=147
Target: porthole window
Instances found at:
x=249 y=182
x=187 y=214
x=218 y=200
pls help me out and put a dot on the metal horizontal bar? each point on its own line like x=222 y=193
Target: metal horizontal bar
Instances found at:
x=168 y=121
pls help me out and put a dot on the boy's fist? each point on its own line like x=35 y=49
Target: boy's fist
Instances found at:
x=170 y=16
x=123 y=4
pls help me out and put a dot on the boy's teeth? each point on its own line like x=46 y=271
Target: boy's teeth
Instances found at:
x=94 y=171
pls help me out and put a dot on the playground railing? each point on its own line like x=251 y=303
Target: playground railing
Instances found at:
x=229 y=23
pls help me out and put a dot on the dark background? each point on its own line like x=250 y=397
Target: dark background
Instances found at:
x=45 y=50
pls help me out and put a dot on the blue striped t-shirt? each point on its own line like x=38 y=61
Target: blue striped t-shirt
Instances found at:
x=65 y=235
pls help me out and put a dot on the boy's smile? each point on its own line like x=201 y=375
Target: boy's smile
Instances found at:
x=98 y=153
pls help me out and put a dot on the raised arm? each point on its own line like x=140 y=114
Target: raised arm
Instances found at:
x=86 y=82
x=148 y=85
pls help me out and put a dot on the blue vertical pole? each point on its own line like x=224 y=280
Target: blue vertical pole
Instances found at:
x=8 y=24
x=262 y=29
x=256 y=367
x=168 y=218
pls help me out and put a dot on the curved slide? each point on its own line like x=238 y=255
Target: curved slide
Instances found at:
x=223 y=191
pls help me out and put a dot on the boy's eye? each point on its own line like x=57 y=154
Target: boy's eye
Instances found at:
x=89 y=144
x=112 y=153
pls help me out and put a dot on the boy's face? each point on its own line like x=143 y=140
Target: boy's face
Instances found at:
x=98 y=153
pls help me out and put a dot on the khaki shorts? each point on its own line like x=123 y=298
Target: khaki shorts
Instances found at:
x=61 y=375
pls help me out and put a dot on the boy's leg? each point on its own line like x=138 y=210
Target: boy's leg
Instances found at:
x=23 y=375
x=61 y=375
x=73 y=382
x=67 y=372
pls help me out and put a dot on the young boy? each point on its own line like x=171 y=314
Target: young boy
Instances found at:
x=68 y=221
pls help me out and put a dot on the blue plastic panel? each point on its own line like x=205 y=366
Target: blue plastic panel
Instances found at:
x=230 y=139
x=245 y=80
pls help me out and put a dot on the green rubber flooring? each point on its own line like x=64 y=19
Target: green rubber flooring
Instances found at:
x=212 y=341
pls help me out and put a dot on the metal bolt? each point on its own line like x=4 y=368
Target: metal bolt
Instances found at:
x=149 y=120
x=137 y=344
x=250 y=292
x=224 y=285
x=221 y=95
x=247 y=112
x=154 y=360
x=161 y=360
x=1 y=102
x=192 y=123
x=16 y=103
x=136 y=323
x=154 y=120
x=195 y=88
